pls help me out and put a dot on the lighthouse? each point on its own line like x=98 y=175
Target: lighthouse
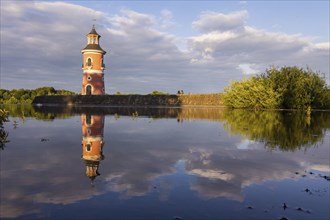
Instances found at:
x=93 y=66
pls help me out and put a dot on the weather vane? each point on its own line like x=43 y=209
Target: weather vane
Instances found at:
x=94 y=19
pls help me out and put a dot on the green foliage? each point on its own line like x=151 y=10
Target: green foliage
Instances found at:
x=3 y=133
x=26 y=96
x=158 y=93
x=299 y=88
x=325 y=99
x=288 y=87
x=251 y=93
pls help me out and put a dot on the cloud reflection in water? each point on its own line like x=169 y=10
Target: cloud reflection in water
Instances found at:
x=140 y=154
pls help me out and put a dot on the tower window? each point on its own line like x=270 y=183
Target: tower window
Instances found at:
x=89 y=78
x=88 y=147
x=88 y=119
x=102 y=64
x=88 y=90
x=89 y=62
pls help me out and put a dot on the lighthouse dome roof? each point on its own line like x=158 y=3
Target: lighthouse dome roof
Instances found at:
x=94 y=47
x=93 y=31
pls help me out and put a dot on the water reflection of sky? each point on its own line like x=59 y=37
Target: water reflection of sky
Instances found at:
x=156 y=168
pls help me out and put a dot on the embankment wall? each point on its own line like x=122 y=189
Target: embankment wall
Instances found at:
x=134 y=100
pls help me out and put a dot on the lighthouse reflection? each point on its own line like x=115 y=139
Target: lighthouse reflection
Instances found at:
x=92 y=143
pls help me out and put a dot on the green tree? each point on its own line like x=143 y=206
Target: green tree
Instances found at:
x=3 y=133
x=12 y=100
x=288 y=87
x=253 y=93
x=299 y=88
x=26 y=96
x=158 y=93
x=325 y=99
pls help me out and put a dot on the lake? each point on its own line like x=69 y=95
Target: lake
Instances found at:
x=164 y=163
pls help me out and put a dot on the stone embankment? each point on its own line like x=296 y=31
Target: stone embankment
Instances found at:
x=133 y=100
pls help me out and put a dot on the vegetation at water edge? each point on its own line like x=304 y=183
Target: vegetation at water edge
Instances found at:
x=284 y=88
x=3 y=133
x=26 y=96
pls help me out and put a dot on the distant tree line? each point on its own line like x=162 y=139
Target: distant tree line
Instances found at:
x=155 y=92
x=284 y=88
x=26 y=96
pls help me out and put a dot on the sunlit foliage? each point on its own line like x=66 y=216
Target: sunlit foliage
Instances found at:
x=288 y=88
x=3 y=133
x=26 y=96
x=254 y=93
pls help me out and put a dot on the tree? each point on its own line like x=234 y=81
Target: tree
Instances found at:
x=288 y=87
x=158 y=93
x=253 y=93
x=299 y=88
x=26 y=96
x=3 y=133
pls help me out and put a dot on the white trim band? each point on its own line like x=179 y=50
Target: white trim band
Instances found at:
x=93 y=71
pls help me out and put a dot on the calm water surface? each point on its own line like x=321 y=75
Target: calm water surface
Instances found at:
x=189 y=163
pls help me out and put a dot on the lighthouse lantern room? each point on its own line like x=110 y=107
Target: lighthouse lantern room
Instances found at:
x=93 y=66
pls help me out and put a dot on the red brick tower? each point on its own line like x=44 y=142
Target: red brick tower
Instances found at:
x=93 y=66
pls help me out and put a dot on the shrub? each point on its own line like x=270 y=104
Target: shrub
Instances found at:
x=288 y=87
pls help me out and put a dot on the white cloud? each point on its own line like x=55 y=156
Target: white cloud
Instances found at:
x=215 y=21
x=247 y=69
x=323 y=46
x=248 y=45
x=130 y=19
x=166 y=19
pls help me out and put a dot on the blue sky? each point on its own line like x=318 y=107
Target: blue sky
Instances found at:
x=196 y=46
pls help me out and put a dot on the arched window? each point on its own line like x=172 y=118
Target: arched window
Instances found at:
x=89 y=61
x=88 y=147
x=89 y=90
